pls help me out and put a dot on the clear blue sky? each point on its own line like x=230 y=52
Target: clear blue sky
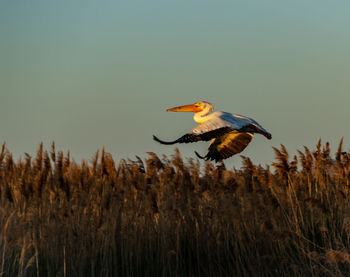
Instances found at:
x=89 y=74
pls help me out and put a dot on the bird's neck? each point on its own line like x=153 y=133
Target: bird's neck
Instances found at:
x=201 y=117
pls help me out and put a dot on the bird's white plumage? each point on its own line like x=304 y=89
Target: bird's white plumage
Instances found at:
x=219 y=120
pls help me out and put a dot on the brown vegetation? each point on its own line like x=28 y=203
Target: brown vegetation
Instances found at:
x=166 y=217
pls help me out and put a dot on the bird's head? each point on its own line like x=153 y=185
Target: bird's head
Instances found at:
x=196 y=107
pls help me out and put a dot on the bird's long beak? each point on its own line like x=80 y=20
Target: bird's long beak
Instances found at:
x=185 y=108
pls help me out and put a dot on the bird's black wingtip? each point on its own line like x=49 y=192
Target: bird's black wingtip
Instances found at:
x=199 y=156
x=267 y=135
x=165 y=142
x=155 y=138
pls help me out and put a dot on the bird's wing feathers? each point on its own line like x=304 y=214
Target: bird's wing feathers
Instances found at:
x=218 y=125
x=238 y=122
x=212 y=128
x=228 y=145
x=219 y=120
x=191 y=137
x=250 y=125
x=215 y=127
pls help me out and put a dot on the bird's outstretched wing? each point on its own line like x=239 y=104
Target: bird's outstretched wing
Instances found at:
x=220 y=124
x=213 y=128
x=191 y=137
x=227 y=145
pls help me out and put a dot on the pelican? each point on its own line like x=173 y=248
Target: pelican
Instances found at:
x=229 y=133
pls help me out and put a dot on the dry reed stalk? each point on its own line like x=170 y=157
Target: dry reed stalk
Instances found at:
x=168 y=217
x=337 y=256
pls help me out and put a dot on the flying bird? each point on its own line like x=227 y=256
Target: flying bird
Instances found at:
x=229 y=133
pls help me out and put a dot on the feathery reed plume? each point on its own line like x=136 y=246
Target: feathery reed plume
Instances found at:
x=94 y=162
x=59 y=174
x=339 y=151
x=153 y=165
x=66 y=162
x=339 y=161
x=109 y=165
x=39 y=173
x=102 y=162
x=39 y=159
x=263 y=175
x=53 y=152
x=306 y=160
x=2 y=154
x=140 y=164
x=248 y=171
x=318 y=155
x=283 y=167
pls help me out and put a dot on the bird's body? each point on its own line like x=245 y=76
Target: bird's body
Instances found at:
x=230 y=133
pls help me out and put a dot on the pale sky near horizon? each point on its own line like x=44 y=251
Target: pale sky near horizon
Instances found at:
x=88 y=74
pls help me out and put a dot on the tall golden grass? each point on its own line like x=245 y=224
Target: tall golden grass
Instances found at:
x=167 y=217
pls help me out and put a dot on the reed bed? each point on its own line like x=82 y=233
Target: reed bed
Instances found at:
x=168 y=217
